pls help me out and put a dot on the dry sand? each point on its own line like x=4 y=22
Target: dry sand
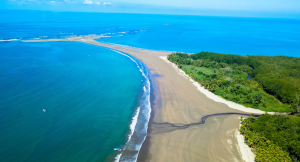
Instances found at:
x=245 y=150
x=177 y=101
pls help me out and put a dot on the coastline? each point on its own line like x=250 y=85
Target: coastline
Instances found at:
x=180 y=102
x=247 y=154
x=155 y=105
x=140 y=119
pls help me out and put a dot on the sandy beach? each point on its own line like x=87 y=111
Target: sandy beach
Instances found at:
x=175 y=99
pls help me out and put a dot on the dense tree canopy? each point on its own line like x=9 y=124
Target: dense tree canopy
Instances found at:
x=275 y=138
x=266 y=83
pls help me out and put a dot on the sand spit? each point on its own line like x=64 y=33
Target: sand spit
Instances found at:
x=177 y=101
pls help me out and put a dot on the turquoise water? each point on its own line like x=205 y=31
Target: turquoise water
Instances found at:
x=192 y=34
x=228 y=35
x=97 y=98
x=90 y=94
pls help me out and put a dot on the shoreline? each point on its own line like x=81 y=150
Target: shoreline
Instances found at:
x=140 y=119
x=178 y=101
x=247 y=154
x=154 y=101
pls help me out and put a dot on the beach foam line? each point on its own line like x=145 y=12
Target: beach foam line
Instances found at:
x=132 y=128
x=117 y=158
x=144 y=110
x=213 y=96
x=134 y=119
x=133 y=123
x=9 y=40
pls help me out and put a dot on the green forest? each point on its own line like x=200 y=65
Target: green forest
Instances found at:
x=273 y=138
x=261 y=82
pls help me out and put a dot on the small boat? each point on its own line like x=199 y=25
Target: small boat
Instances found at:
x=117 y=149
x=44 y=110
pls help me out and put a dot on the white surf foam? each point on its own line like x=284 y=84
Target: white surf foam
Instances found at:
x=146 y=111
x=117 y=158
x=133 y=123
x=9 y=40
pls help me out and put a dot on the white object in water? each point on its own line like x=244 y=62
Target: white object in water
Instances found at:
x=44 y=110
x=117 y=149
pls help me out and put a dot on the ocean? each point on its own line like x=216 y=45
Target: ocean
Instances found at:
x=92 y=97
x=182 y=33
x=97 y=99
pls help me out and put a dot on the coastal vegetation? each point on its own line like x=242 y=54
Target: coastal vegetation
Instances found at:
x=262 y=82
x=273 y=138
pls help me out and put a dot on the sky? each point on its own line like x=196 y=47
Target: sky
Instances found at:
x=248 y=8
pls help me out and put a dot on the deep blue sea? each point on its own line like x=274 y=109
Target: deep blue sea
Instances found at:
x=96 y=98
